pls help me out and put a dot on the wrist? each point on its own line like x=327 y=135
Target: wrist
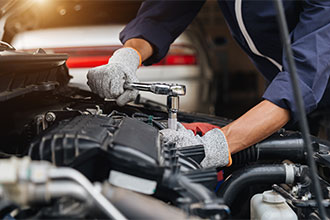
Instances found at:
x=143 y=47
x=216 y=149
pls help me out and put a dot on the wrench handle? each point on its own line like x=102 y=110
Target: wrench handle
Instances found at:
x=138 y=86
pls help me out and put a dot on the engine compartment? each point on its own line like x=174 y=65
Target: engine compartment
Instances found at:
x=67 y=153
x=119 y=149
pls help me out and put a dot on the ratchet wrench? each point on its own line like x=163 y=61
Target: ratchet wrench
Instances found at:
x=173 y=91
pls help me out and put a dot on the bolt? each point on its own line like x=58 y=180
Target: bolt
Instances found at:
x=306 y=197
x=182 y=200
x=50 y=117
x=294 y=190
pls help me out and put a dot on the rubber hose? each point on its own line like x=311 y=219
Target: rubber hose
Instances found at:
x=290 y=147
x=243 y=178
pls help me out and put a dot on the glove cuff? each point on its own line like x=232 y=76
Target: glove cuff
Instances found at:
x=128 y=57
x=229 y=154
x=140 y=57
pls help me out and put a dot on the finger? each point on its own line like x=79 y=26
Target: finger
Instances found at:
x=106 y=85
x=95 y=76
x=180 y=127
x=116 y=87
x=131 y=77
x=90 y=82
x=127 y=96
x=167 y=135
x=93 y=87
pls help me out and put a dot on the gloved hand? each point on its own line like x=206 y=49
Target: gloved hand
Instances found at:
x=214 y=142
x=108 y=80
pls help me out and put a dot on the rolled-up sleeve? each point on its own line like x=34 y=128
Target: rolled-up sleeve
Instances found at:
x=311 y=48
x=160 y=23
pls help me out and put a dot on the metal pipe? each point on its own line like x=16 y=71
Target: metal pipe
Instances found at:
x=138 y=206
x=100 y=200
x=59 y=189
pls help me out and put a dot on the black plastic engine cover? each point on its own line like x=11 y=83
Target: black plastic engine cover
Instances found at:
x=128 y=137
x=94 y=145
x=137 y=139
x=62 y=143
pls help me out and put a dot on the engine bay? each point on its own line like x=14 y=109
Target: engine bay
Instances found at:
x=119 y=150
x=67 y=153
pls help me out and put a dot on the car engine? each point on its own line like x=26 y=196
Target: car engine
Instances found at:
x=67 y=153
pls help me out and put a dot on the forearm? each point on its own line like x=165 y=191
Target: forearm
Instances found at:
x=160 y=23
x=142 y=46
x=255 y=125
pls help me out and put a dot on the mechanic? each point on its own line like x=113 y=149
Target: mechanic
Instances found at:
x=254 y=26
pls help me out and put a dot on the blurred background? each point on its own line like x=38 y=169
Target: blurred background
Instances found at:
x=220 y=78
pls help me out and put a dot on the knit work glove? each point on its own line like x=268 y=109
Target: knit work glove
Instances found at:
x=214 y=142
x=108 y=80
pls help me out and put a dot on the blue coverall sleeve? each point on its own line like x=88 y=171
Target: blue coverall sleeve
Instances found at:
x=311 y=47
x=160 y=23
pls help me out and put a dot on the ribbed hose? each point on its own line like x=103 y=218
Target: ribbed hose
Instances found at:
x=243 y=178
x=289 y=147
x=245 y=156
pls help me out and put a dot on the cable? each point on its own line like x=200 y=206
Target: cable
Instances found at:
x=300 y=105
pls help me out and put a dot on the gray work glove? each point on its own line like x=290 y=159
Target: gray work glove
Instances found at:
x=108 y=80
x=214 y=142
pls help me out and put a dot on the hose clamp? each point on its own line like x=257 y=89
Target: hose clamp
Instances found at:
x=289 y=173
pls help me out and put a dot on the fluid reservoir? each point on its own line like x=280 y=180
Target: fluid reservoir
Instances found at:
x=270 y=206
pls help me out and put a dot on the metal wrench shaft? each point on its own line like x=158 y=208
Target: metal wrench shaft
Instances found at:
x=158 y=88
x=173 y=91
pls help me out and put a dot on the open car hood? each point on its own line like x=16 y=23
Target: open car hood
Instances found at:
x=11 y=7
x=20 y=72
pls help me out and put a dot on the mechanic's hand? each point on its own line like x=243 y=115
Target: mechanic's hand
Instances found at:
x=108 y=80
x=214 y=141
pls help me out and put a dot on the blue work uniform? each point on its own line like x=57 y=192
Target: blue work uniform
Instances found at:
x=254 y=26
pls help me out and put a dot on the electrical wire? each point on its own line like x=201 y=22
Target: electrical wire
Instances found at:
x=300 y=105
x=146 y=118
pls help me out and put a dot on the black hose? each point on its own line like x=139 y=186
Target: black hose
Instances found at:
x=289 y=147
x=245 y=156
x=286 y=149
x=300 y=105
x=243 y=178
